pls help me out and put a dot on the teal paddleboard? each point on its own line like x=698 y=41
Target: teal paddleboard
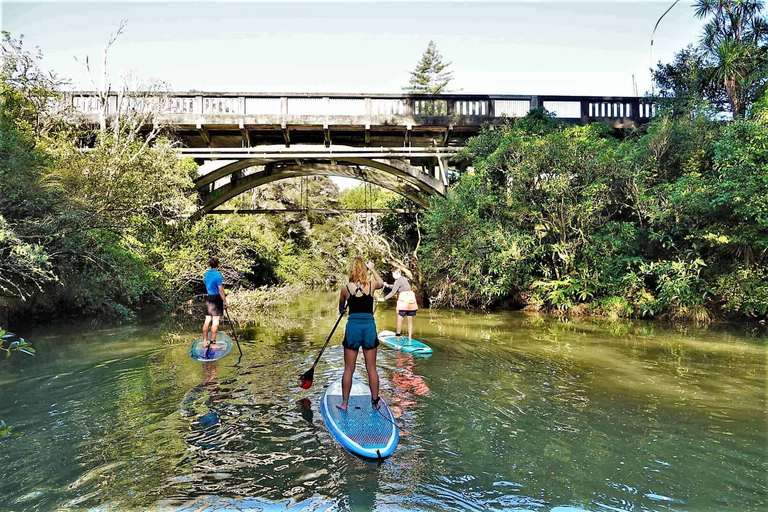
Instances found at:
x=401 y=343
x=221 y=348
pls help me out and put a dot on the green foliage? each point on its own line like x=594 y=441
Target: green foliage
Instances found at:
x=5 y=430
x=687 y=83
x=667 y=223
x=681 y=290
x=615 y=307
x=736 y=41
x=744 y=292
x=471 y=257
x=24 y=267
x=729 y=66
x=365 y=196
x=10 y=342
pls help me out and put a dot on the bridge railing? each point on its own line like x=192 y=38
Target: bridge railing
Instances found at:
x=468 y=109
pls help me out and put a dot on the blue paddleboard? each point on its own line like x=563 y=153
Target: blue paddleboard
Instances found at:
x=222 y=347
x=401 y=343
x=361 y=429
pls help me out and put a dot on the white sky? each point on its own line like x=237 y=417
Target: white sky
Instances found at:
x=565 y=47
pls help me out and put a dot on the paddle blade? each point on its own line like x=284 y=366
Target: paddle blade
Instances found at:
x=305 y=380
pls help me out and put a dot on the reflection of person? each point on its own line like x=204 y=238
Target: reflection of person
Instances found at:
x=305 y=407
x=408 y=383
x=215 y=301
x=210 y=375
x=406 y=301
x=361 y=328
x=405 y=380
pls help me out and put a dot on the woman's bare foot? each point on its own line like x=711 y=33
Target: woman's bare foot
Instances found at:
x=375 y=402
x=343 y=407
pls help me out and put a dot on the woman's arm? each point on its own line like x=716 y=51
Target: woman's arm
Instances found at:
x=343 y=299
x=396 y=287
x=377 y=281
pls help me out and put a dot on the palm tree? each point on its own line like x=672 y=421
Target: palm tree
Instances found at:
x=736 y=39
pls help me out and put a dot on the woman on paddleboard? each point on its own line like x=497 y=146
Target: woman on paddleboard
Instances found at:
x=357 y=298
x=406 y=301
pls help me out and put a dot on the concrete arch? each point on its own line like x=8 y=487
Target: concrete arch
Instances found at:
x=391 y=170
x=281 y=170
x=397 y=168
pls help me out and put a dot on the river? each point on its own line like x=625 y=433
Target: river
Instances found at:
x=513 y=411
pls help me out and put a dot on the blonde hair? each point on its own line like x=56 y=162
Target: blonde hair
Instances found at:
x=358 y=272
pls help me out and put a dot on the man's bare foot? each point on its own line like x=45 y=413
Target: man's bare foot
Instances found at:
x=375 y=402
x=343 y=407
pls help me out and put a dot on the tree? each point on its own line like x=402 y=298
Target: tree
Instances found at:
x=736 y=40
x=687 y=83
x=431 y=75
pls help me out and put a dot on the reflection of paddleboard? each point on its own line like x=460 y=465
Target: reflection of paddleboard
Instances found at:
x=401 y=343
x=222 y=347
x=361 y=429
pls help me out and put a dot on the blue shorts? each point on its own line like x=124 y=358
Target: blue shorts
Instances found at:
x=404 y=314
x=360 y=332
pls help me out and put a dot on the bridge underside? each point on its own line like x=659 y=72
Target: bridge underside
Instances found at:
x=235 y=172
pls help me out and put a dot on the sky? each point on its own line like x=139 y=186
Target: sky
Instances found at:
x=531 y=47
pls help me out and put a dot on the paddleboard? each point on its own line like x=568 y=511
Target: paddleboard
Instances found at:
x=361 y=429
x=222 y=347
x=401 y=343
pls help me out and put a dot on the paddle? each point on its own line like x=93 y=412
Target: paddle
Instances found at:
x=305 y=380
x=234 y=333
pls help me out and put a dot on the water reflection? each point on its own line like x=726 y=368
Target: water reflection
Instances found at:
x=305 y=407
x=512 y=411
x=407 y=385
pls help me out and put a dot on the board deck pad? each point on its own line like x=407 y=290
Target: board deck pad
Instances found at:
x=401 y=343
x=222 y=348
x=361 y=429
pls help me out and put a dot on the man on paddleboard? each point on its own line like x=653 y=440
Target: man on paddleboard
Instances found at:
x=406 y=301
x=215 y=301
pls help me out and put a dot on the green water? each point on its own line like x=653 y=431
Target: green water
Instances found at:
x=512 y=412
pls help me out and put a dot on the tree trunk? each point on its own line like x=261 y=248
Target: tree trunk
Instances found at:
x=733 y=89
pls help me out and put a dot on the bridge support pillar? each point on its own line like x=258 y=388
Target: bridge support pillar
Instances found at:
x=286 y=135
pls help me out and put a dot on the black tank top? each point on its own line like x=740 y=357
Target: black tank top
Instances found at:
x=361 y=304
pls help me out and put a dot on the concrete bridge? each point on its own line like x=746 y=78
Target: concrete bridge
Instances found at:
x=400 y=142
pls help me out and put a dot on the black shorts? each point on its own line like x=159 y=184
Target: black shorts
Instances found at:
x=214 y=305
x=404 y=314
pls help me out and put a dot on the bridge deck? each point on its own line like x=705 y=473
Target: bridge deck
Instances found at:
x=213 y=119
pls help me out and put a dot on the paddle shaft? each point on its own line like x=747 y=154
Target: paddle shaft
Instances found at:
x=234 y=333
x=329 y=338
